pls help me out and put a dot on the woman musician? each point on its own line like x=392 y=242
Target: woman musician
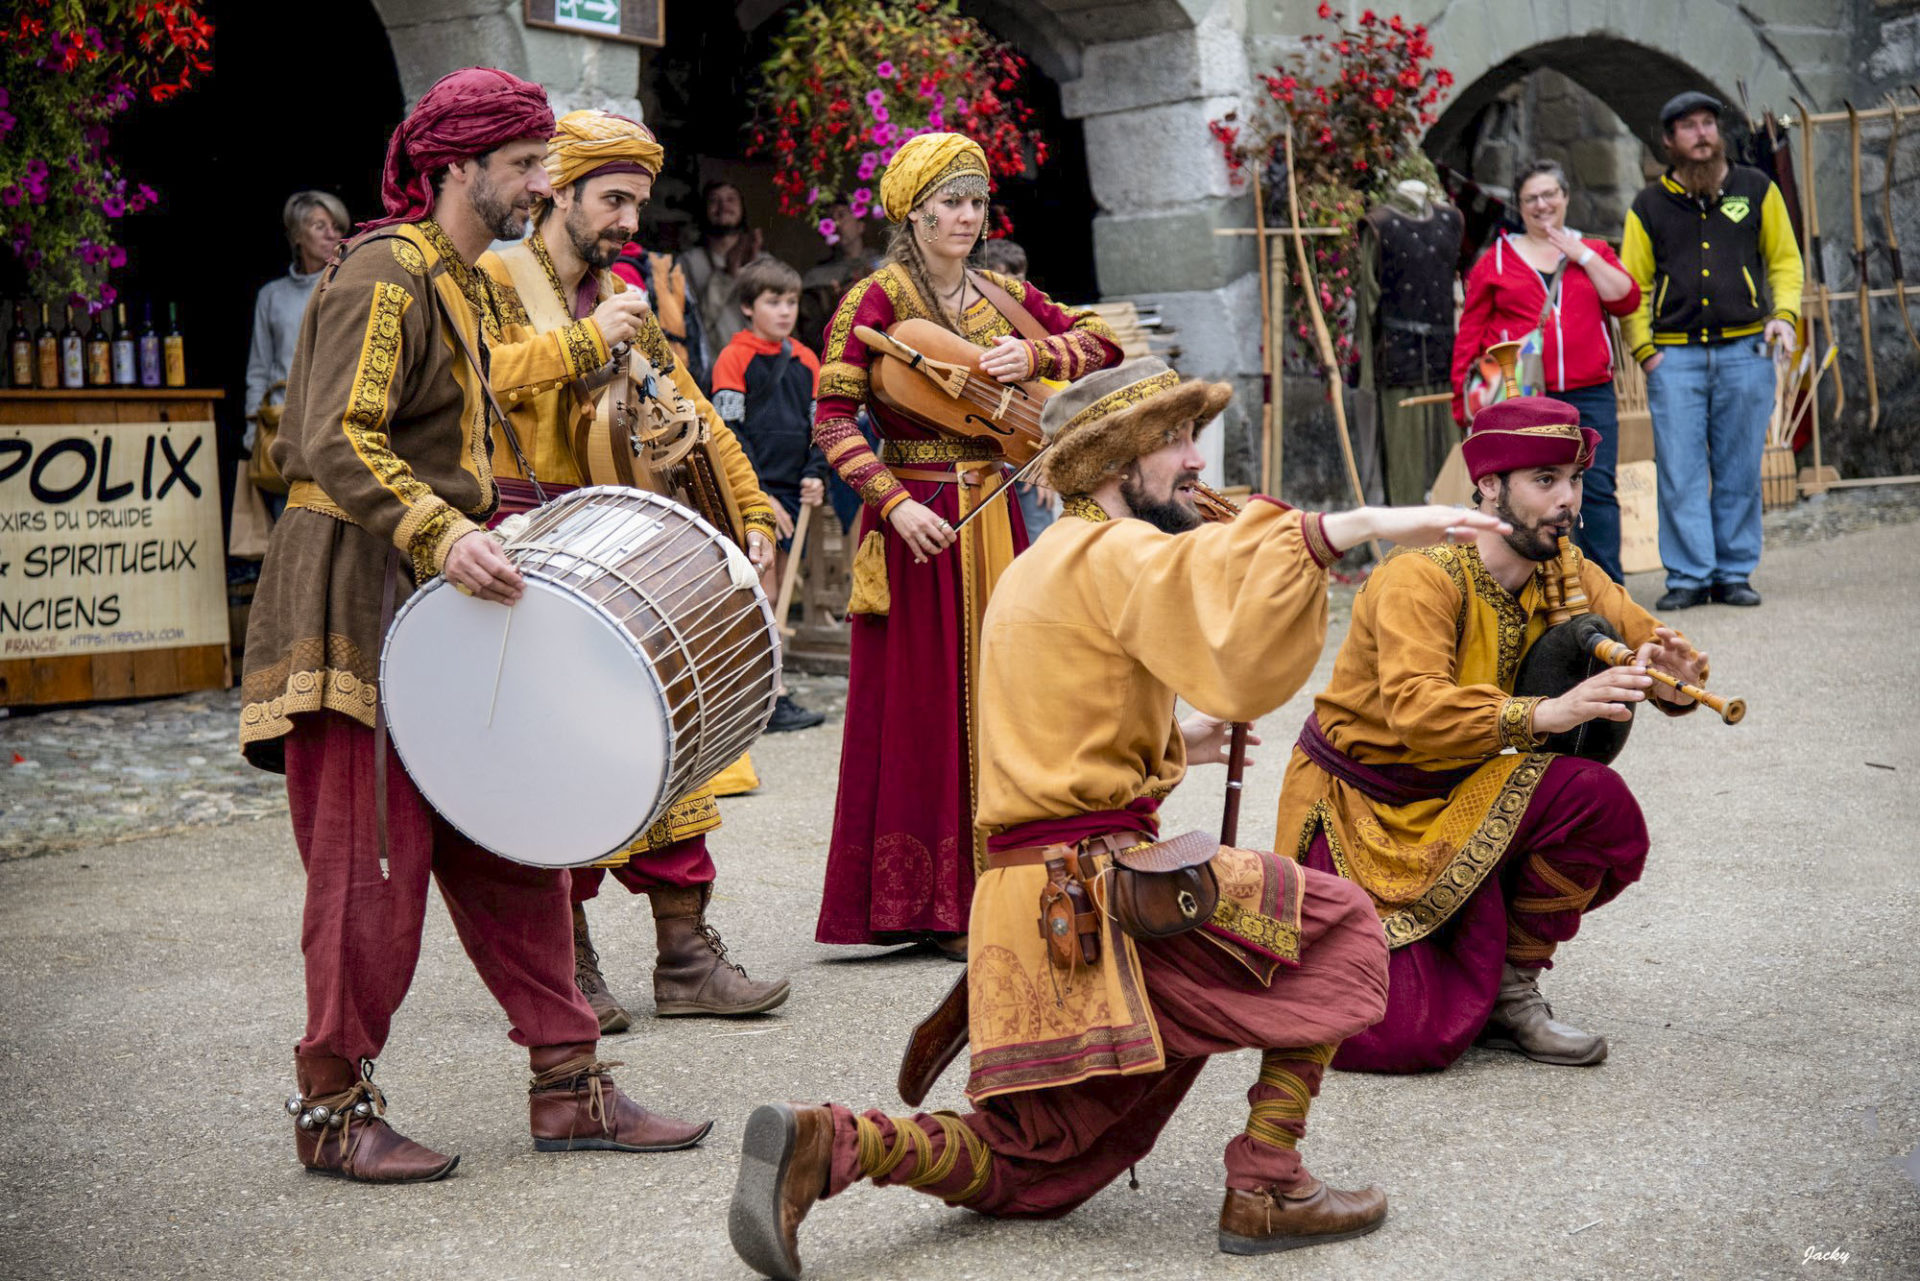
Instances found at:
x=901 y=864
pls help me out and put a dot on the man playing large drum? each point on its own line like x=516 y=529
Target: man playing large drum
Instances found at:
x=384 y=443
x=601 y=167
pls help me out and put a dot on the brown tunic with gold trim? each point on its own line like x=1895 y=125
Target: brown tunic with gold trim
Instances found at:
x=385 y=444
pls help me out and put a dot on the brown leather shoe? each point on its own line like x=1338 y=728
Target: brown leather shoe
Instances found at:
x=1270 y=1221
x=574 y=1106
x=1522 y=1020
x=785 y=1157
x=693 y=974
x=586 y=977
x=338 y=1129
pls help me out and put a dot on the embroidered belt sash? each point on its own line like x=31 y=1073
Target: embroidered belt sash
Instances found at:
x=910 y=453
x=1384 y=784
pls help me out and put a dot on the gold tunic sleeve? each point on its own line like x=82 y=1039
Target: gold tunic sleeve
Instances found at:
x=1231 y=617
x=1417 y=611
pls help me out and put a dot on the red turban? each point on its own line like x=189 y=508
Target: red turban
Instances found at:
x=1527 y=431
x=465 y=113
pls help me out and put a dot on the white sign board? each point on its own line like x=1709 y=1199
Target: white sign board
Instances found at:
x=110 y=539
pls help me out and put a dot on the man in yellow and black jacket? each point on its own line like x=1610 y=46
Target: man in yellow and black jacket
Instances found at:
x=1713 y=249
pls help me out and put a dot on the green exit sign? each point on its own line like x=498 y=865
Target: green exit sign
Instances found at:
x=636 y=21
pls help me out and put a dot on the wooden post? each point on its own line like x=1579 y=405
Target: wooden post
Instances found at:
x=1271 y=391
x=1277 y=371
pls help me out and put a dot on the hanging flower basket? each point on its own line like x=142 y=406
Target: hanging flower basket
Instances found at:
x=849 y=81
x=67 y=69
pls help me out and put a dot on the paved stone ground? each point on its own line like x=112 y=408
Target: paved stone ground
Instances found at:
x=1758 y=989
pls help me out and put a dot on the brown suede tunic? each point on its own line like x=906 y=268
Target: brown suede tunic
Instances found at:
x=386 y=446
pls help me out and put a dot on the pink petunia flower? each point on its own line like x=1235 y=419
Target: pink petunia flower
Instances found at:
x=116 y=257
x=827 y=227
x=884 y=71
x=876 y=98
x=880 y=114
x=10 y=196
x=113 y=207
x=862 y=196
x=936 y=120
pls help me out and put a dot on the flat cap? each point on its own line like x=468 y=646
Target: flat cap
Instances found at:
x=1685 y=104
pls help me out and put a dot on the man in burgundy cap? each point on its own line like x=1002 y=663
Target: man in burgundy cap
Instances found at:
x=1480 y=860
x=385 y=446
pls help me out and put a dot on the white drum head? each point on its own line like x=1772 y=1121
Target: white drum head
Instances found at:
x=563 y=764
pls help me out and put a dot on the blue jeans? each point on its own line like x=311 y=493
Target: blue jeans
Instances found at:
x=1598 y=533
x=1710 y=405
x=1038 y=517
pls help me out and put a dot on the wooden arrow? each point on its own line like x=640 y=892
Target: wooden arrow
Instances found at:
x=1816 y=261
x=1860 y=266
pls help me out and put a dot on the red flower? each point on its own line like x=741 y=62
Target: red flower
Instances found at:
x=1325 y=11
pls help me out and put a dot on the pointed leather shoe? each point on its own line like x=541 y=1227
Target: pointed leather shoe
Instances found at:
x=785 y=1157
x=1270 y=1221
x=692 y=974
x=574 y=1106
x=338 y=1130
x=1522 y=1020
x=586 y=976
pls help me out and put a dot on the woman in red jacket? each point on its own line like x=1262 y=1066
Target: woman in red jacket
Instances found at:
x=1508 y=293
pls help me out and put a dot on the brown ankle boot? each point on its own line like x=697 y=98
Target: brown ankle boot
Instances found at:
x=586 y=977
x=574 y=1106
x=785 y=1157
x=339 y=1131
x=1269 y=1221
x=693 y=974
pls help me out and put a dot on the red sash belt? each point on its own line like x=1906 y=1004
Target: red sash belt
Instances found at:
x=1386 y=784
x=518 y=496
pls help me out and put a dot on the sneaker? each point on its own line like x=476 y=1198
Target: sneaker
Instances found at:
x=789 y=715
x=1681 y=598
x=1739 y=592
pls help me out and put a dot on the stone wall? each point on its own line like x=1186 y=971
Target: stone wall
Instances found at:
x=1549 y=117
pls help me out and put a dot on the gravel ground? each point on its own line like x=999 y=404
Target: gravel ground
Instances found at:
x=87 y=776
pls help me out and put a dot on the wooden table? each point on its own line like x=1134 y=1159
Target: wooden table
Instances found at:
x=112 y=550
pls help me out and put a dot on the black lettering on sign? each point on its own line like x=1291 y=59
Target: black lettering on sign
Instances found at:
x=61 y=613
x=177 y=467
x=20 y=450
x=36 y=479
x=107 y=492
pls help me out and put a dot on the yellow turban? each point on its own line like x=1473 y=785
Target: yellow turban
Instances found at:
x=590 y=142
x=927 y=164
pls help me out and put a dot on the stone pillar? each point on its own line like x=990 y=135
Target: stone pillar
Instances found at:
x=432 y=37
x=1162 y=189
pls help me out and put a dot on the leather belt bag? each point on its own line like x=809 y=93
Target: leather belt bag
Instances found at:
x=1154 y=890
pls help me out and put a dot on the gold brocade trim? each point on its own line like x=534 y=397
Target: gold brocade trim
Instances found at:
x=962 y=167
x=476 y=287
x=408 y=255
x=1313 y=531
x=1478 y=856
x=1512 y=618
x=1083 y=507
x=1551 y=429
x=652 y=341
x=365 y=419
x=581 y=340
x=842 y=381
x=310 y=497
x=763 y=520
x=1282 y=938
x=1113 y=402
x=1516 y=723
x=316 y=675
x=537 y=246
x=1448 y=559
x=914 y=453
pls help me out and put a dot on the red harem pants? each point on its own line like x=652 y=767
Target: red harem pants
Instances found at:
x=1052 y=1149
x=361 y=930
x=680 y=866
x=1581 y=841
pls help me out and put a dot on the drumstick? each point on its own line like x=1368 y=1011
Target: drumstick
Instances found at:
x=794 y=550
x=500 y=667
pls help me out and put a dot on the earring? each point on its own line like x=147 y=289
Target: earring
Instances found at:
x=931 y=222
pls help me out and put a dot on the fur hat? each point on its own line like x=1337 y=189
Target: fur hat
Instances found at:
x=1102 y=423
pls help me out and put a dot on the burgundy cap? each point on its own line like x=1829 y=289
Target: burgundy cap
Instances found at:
x=1527 y=431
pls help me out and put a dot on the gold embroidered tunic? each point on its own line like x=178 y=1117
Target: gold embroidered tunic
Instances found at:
x=1425 y=678
x=545 y=422
x=384 y=444
x=1088 y=641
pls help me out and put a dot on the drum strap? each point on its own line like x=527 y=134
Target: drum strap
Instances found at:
x=388 y=592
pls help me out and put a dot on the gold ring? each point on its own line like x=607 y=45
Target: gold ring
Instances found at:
x=463 y=589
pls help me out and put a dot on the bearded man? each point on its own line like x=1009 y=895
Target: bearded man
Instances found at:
x=1480 y=861
x=601 y=168
x=384 y=444
x=1083 y=1047
x=1713 y=250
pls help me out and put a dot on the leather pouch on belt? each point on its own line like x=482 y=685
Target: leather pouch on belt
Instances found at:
x=1163 y=889
x=1068 y=920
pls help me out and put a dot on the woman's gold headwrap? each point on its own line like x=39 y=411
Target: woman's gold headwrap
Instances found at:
x=928 y=164
x=590 y=142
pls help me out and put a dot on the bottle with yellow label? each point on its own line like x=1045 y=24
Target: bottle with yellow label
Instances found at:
x=174 y=345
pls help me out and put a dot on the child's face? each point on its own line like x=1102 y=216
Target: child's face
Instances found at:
x=773 y=315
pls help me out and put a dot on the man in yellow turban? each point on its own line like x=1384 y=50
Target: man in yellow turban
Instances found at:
x=601 y=168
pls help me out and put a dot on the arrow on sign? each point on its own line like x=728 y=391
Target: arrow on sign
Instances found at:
x=593 y=10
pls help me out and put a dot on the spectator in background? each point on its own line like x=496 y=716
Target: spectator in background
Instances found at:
x=764 y=384
x=316 y=222
x=664 y=282
x=1717 y=239
x=848 y=259
x=1564 y=285
x=1038 y=504
x=727 y=245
